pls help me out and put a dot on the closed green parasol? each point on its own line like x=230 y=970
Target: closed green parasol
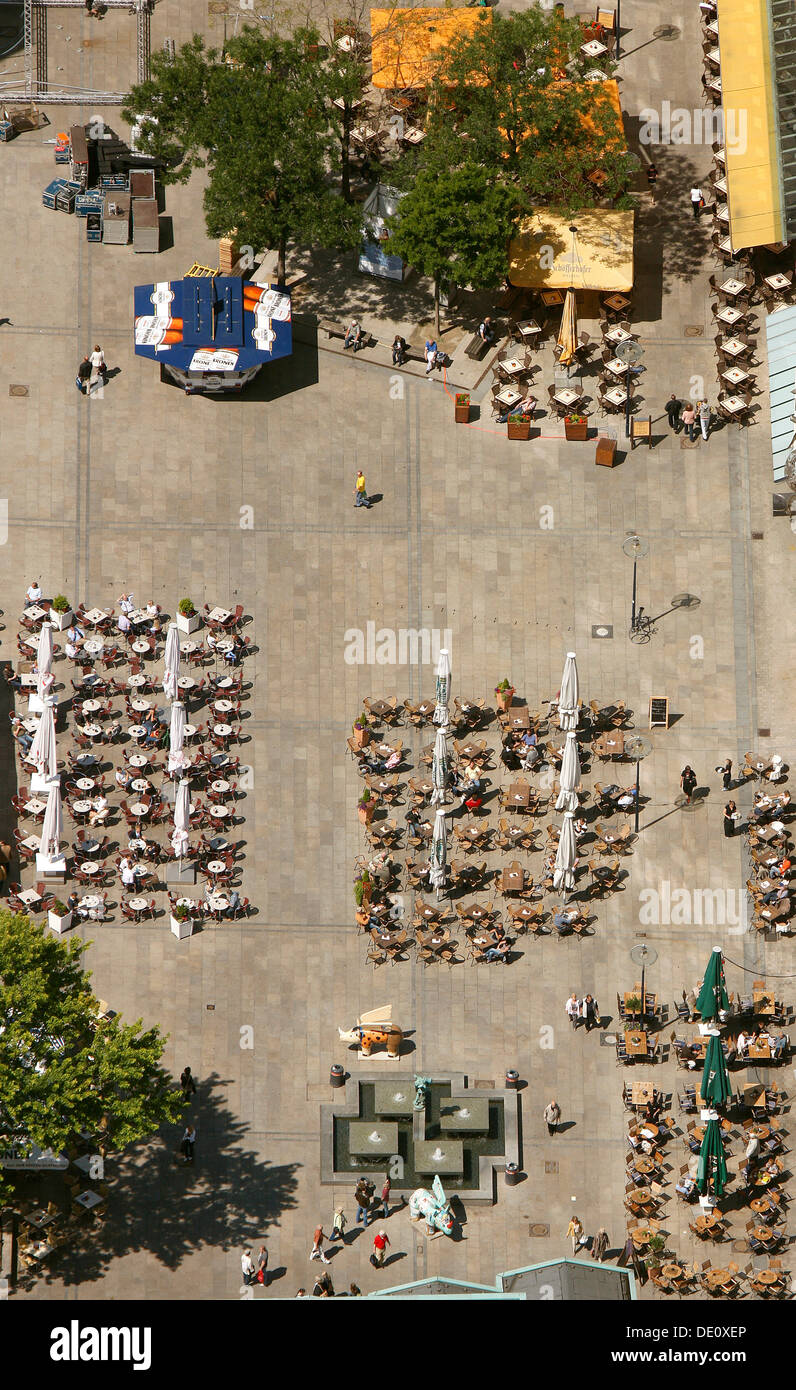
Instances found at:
x=713 y=994
x=712 y=1171
x=715 y=1086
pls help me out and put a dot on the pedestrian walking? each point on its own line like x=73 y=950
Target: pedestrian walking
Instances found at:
x=316 y=1253
x=187 y=1084
x=262 y=1266
x=673 y=413
x=380 y=1242
x=552 y=1115
x=363 y=1195
x=731 y=818
x=652 y=179
x=575 y=1233
x=188 y=1143
x=339 y=1223
x=247 y=1267
x=688 y=782
x=704 y=418
x=572 y=1008
x=697 y=201
x=725 y=769
x=83 y=375
x=688 y=418
x=99 y=371
x=385 y=1196
x=361 y=498
x=599 y=1246
x=590 y=1012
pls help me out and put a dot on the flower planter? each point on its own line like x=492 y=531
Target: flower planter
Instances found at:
x=59 y=924
x=61 y=620
x=575 y=429
x=504 y=698
x=361 y=737
x=181 y=927
x=187 y=624
x=462 y=412
x=519 y=429
x=366 y=812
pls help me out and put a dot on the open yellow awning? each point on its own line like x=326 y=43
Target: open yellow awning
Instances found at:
x=541 y=254
x=754 y=189
x=405 y=44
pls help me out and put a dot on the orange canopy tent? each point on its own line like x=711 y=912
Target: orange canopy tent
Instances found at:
x=406 y=44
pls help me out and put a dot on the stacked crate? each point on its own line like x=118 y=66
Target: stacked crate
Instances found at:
x=228 y=255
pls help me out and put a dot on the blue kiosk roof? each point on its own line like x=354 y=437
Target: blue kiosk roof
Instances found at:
x=212 y=324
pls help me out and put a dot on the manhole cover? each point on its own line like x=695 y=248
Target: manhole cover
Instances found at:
x=602 y=630
x=688 y=443
x=740 y=1246
x=550 y=1166
x=667 y=32
x=18 y=390
x=538 y=1229
x=693 y=330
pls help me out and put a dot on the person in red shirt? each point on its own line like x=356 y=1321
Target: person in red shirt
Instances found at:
x=380 y=1242
x=316 y=1252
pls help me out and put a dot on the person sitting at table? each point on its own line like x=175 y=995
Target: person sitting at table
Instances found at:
x=75 y=635
x=234 y=653
x=653 y=1108
x=71 y=651
x=686 y=1187
x=580 y=827
x=72 y=902
x=528 y=750
x=123 y=624
x=99 y=810
x=779 y=1044
x=32 y=593
x=150 y=726
x=498 y=952
x=233 y=904
x=155 y=628
x=627 y=799
x=128 y=875
x=741 y=1045
x=776 y=895
x=565 y=916
x=124 y=777
x=782 y=869
x=211 y=640
x=20 y=733
x=126 y=604
x=379 y=868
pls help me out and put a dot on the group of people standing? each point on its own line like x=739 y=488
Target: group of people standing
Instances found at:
x=687 y=414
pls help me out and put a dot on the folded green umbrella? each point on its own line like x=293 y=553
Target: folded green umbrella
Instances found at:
x=715 y=1085
x=713 y=994
x=712 y=1170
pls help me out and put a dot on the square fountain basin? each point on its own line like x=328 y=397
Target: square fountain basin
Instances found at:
x=452 y=1122
x=359 y=1142
x=453 y=1162
x=384 y=1102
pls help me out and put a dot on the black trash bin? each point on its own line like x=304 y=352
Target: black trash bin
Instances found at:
x=512 y=1174
x=337 y=1075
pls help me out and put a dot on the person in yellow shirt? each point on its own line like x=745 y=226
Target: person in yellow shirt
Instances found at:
x=361 y=498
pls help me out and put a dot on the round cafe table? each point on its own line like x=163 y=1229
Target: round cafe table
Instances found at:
x=217 y=902
x=139 y=809
x=707 y=1222
x=86 y=759
x=224 y=731
x=225 y=683
x=136 y=682
x=761 y=1204
x=91 y=901
x=92 y=730
x=216 y=866
x=671 y=1271
x=187 y=902
x=767 y=1276
x=89 y=867
x=220 y=812
x=139 y=784
x=187 y=648
x=85 y=784
x=188 y=730
x=81 y=808
x=641 y=1197
x=90 y=846
x=136 y=731
x=763 y=1234
x=186 y=683
x=224 y=644
x=717 y=1278
x=760 y=1131
x=641 y=1237
x=218 y=843
x=93 y=647
x=644 y=1165
x=140 y=706
x=137 y=845
x=140 y=646
x=137 y=904
x=219 y=786
x=223 y=706
x=138 y=760
x=91 y=706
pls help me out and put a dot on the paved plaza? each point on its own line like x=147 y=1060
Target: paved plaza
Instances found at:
x=516 y=548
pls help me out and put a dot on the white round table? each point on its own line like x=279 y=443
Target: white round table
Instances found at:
x=186 y=683
x=224 y=644
x=217 y=903
x=137 y=760
x=93 y=647
x=81 y=808
x=85 y=784
x=141 y=706
x=188 y=647
x=139 y=809
x=91 y=901
x=218 y=843
x=136 y=731
x=140 y=646
x=135 y=682
x=139 y=784
x=188 y=730
x=219 y=786
x=187 y=902
x=137 y=904
x=223 y=706
x=91 y=706
x=89 y=868
x=92 y=730
x=136 y=845
x=90 y=846
x=86 y=759
x=220 y=812
x=224 y=683
x=216 y=866
x=219 y=760
x=222 y=730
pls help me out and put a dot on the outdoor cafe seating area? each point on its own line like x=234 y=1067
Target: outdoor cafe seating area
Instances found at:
x=499 y=884
x=118 y=771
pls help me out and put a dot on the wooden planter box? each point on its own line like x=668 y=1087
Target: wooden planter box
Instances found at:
x=361 y=737
x=366 y=812
x=518 y=429
x=462 y=413
x=504 y=698
x=576 y=429
x=606 y=452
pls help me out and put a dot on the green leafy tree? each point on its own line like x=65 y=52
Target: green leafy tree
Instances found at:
x=455 y=223
x=62 y=1068
x=257 y=118
x=513 y=95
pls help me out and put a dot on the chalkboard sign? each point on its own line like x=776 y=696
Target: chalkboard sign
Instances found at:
x=659 y=712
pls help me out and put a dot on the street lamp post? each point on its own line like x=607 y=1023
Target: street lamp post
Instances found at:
x=637 y=748
x=643 y=955
x=636 y=548
x=618 y=28
x=629 y=354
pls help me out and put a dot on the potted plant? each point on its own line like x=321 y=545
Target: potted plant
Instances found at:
x=461 y=407
x=59 y=917
x=575 y=426
x=365 y=807
x=361 y=729
x=633 y=1004
x=519 y=425
x=363 y=887
x=181 y=921
x=188 y=619
x=655 y=1248
x=60 y=612
x=505 y=694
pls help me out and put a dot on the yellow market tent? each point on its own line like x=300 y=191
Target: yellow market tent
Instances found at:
x=406 y=44
x=541 y=254
x=754 y=189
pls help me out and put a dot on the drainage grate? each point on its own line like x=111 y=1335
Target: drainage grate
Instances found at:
x=602 y=630
x=693 y=330
x=19 y=390
x=551 y=1165
x=210 y=1008
x=538 y=1229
